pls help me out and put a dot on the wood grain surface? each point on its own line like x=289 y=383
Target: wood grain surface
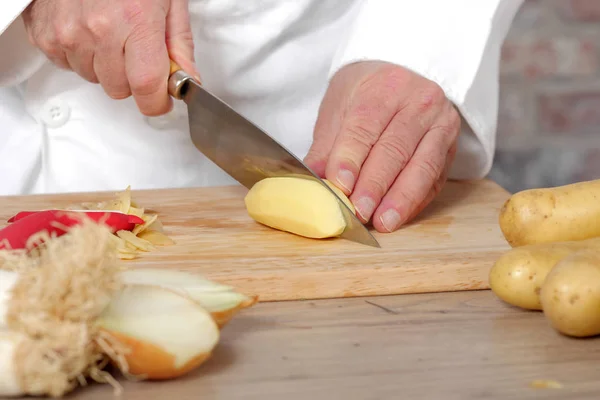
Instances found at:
x=450 y=247
x=462 y=346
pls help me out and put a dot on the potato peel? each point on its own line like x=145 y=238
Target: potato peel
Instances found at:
x=144 y=237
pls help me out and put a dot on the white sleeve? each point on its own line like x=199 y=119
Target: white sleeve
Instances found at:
x=24 y=58
x=453 y=43
x=9 y=11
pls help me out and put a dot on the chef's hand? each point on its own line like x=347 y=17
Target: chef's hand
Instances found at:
x=387 y=136
x=122 y=45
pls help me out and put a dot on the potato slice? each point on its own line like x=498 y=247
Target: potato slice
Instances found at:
x=297 y=205
x=168 y=334
x=156 y=238
x=139 y=243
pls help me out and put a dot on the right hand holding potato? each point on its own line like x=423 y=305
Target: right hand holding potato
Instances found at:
x=123 y=45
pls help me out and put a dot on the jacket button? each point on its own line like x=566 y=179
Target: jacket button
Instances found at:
x=55 y=113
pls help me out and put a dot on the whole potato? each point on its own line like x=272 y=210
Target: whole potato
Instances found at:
x=570 y=294
x=517 y=276
x=563 y=213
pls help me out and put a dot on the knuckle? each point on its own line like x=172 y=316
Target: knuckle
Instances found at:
x=68 y=36
x=431 y=94
x=434 y=91
x=447 y=130
x=47 y=45
x=377 y=184
x=454 y=118
x=396 y=149
x=147 y=84
x=52 y=50
x=99 y=25
x=430 y=168
x=361 y=133
x=395 y=77
x=133 y=11
x=406 y=199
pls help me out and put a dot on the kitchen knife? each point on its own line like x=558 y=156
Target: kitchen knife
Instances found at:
x=242 y=149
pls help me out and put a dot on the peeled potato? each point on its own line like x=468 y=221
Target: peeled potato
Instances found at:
x=517 y=276
x=570 y=294
x=221 y=301
x=297 y=205
x=558 y=214
x=168 y=333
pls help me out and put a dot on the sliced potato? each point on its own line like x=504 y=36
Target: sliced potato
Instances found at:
x=297 y=205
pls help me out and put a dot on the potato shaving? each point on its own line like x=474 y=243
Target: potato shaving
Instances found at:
x=545 y=384
x=144 y=237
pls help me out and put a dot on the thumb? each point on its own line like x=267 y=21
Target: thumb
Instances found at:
x=325 y=132
x=180 y=41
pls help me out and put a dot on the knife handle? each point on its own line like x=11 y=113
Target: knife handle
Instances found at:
x=178 y=80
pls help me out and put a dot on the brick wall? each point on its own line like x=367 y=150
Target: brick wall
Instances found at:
x=549 y=117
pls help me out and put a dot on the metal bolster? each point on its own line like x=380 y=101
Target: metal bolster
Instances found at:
x=177 y=85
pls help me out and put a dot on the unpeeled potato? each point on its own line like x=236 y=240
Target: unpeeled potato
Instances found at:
x=297 y=205
x=517 y=276
x=570 y=294
x=558 y=214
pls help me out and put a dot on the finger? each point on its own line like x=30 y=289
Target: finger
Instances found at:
x=43 y=39
x=80 y=56
x=395 y=148
x=180 y=40
x=420 y=175
x=54 y=53
x=147 y=67
x=109 y=41
x=366 y=119
x=75 y=40
x=325 y=131
x=433 y=192
x=109 y=65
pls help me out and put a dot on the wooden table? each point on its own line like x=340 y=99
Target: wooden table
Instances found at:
x=463 y=345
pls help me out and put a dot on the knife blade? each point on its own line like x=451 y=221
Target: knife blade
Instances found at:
x=242 y=149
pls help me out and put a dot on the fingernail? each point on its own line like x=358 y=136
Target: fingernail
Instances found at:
x=346 y=179
x=390 y=220
x=365 y=207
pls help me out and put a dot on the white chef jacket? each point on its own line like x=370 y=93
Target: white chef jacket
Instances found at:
x=270 y=60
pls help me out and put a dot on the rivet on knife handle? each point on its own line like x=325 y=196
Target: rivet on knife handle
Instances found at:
x=178 y=80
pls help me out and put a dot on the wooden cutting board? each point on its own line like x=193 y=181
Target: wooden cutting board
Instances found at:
x=450 y=247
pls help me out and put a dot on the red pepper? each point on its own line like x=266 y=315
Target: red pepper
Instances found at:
x=113 y=218
x=27 y=223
